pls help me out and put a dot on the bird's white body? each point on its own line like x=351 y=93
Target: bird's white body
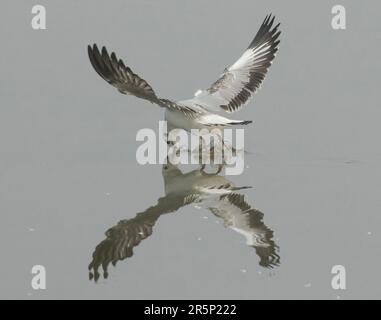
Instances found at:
x=177 y=119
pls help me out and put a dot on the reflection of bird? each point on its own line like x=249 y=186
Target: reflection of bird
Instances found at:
x=229 y=93
x=210 y=191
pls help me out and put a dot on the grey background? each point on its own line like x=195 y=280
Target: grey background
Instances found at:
x=67 y=139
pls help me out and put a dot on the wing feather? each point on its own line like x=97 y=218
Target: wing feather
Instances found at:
x=240 y=81
x=118 y=75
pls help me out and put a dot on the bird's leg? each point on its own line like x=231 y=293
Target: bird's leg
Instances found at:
x=168 y=142
x=201 y=145
x=221 y=148
x=222 y=164
x=220 y=167
x=217 y=152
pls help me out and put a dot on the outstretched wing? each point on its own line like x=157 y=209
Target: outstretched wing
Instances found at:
x=127 y=234
x=113 y=70
x=242 y=218
x=241 y=80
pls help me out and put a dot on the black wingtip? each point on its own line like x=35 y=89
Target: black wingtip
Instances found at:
x=92 y=47
x=92 y=50
x=89 y=49
x=266 y=31
x=98 y=63
x=269 y=20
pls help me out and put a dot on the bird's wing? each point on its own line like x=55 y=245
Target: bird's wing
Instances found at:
x=127 y=234
x=114 y=71
x=241 y=217
x=241 y=80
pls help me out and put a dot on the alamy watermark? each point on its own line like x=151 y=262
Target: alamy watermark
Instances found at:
x=39 y=279
x=339 y=280
x=39 y=18
x=222 y=147
x=338 y=21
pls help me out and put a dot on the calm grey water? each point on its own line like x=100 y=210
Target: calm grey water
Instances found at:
x=68 y=171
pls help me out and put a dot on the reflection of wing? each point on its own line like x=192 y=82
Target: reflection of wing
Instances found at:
x=239 y=216
x=127 y=234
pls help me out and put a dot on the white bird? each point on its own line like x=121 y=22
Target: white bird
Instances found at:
x=229 y=93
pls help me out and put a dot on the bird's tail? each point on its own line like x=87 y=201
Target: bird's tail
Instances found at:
x=240 y=122
x=217 y=120
x=241 y=188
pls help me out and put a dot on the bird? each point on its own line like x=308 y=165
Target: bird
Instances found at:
x=210 y=191
x=229 y=93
